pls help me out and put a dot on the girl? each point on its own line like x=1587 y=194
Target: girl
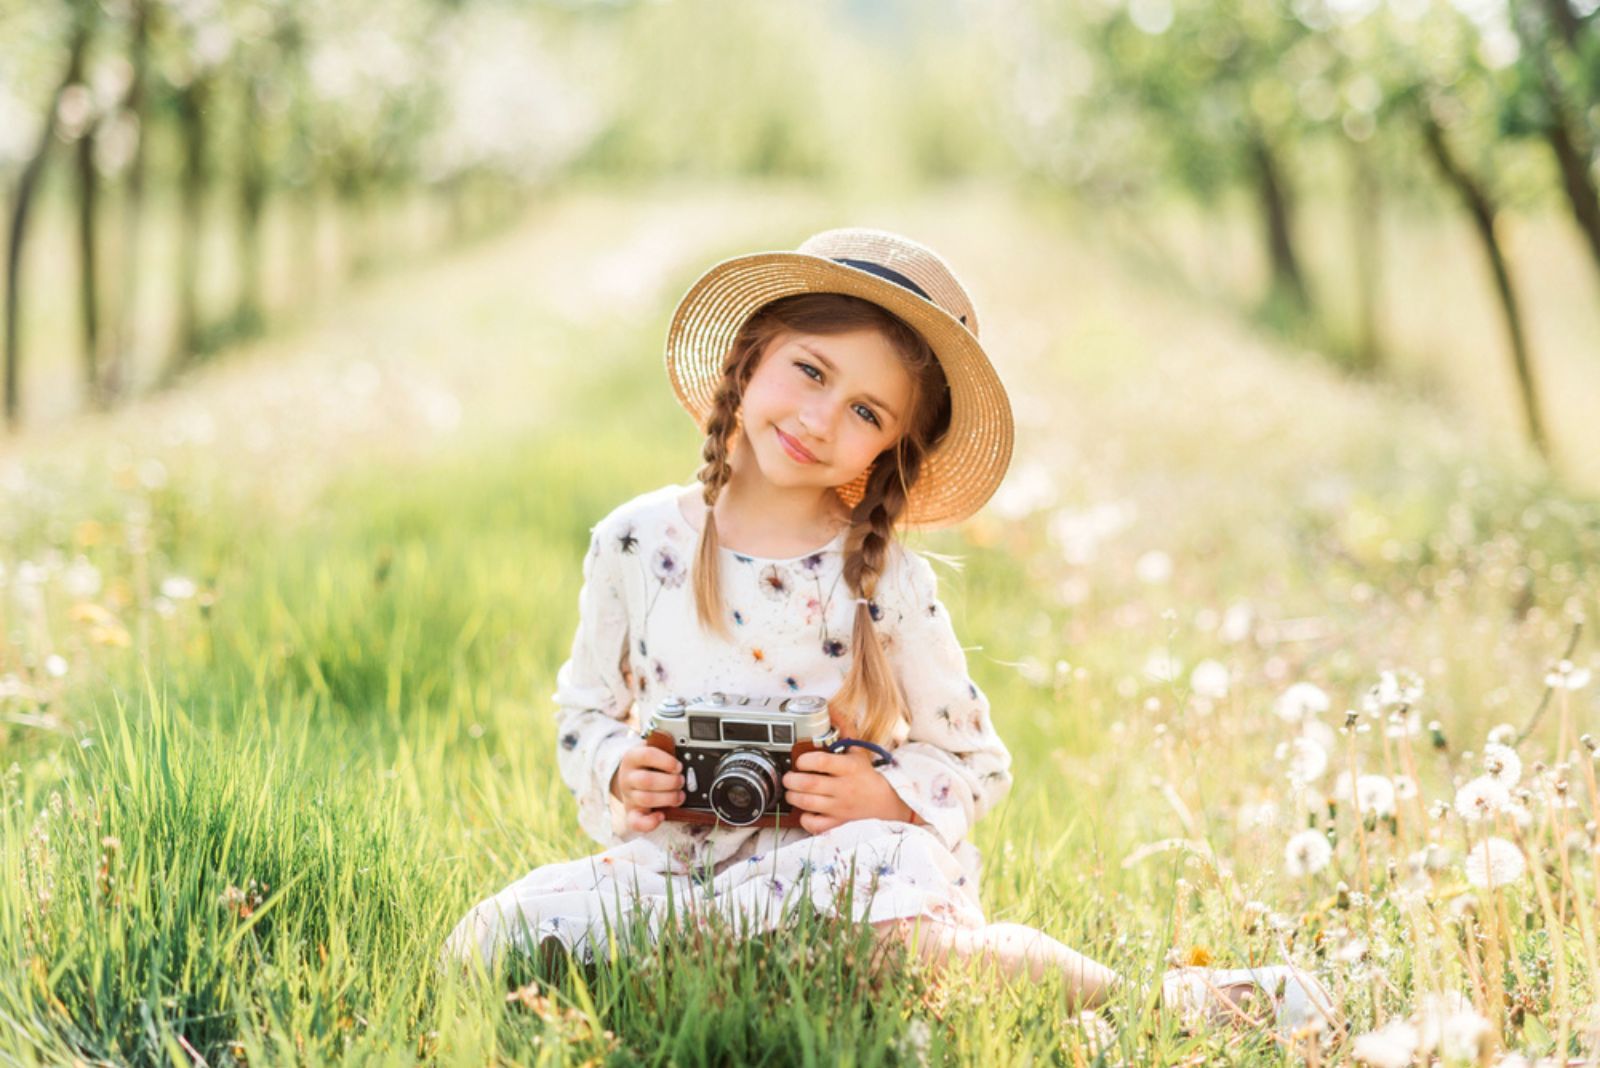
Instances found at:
x=843 y=394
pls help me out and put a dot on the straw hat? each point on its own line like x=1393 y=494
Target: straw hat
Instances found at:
x=964 y=469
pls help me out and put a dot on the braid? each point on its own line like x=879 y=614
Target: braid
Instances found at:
x=871 y=680
x=714 y=475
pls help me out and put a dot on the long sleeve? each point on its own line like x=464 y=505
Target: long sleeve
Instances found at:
x=593 y=694
x=952 y=766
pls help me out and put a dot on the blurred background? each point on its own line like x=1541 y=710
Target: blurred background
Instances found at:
x=1406 y=189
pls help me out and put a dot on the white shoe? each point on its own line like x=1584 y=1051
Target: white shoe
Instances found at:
x=1239 y=996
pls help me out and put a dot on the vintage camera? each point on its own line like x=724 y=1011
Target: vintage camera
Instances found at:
x=735 y=749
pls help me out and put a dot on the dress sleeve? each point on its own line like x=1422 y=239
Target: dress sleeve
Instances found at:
x=952 y=766
x=594 y=697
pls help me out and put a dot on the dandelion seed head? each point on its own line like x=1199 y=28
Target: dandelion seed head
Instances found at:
x=1307 y=761
x=1391 y=1046
x=1480 y=799
x=1494 y=862
x=1307 y=853
x=1502 y=764
x=1210 y=679
x=1299 y=701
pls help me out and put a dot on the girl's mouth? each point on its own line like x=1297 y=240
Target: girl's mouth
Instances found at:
x=796 y=451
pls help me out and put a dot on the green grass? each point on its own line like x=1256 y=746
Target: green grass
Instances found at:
x=353 y=710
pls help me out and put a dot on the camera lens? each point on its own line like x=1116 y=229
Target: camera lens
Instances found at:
x=745 y=781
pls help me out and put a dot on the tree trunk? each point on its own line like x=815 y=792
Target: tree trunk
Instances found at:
x=1366 y=241
x=1483 y=211
x=1564 y=132
x=21 y=209
x=118 y=371
x=1287 y=278
x=247 y=312
x=88 y=267
x=191 y=119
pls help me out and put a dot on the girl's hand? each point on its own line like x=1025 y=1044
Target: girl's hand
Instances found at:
x=647 y=779
x=835 y=788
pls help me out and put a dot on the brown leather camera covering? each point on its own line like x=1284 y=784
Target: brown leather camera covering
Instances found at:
x=664 y=742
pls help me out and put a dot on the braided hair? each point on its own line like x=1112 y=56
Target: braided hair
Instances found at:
x=870 y=703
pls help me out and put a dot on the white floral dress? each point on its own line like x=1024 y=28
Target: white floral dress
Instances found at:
x=638 y=641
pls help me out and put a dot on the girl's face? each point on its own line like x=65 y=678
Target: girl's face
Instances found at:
x=821 y=407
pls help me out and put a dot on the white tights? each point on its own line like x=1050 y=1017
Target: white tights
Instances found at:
x=1012 y=948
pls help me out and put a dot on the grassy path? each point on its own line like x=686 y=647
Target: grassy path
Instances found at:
x=308 y=609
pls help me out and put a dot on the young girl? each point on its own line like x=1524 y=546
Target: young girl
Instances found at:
x=843 y=394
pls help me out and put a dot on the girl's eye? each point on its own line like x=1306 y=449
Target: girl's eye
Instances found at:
x=815 y=375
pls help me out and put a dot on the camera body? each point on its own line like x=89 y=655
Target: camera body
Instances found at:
x=735 y=750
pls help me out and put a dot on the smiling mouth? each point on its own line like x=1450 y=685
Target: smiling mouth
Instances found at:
x=795 y=448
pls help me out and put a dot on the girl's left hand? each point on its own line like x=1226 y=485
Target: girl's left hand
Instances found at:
x=835 y=788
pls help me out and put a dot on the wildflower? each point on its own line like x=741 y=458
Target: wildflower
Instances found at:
x=1162 y=666
x=1253 y=816
x=1502 y=764
x=1503 y=734
x=1153 y=568
x=1405 y=787
x=1393 y=690
x=177 y=588
x=1494 y=862
x=1450 y=1024
x=1308 y=763
x=1567 y=676
x=1391 y=1046
x=55 y=665
x=1481 y=799
x=1307 y=853
x=1372 y=793
x=81 y=579
x=1299 y=701
x=1209 y=679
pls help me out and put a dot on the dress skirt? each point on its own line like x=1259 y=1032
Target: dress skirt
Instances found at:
x=899 y=871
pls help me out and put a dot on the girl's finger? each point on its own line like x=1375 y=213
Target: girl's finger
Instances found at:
x=656 y=780
x=819 y=803
x=656 y=798
x=811 y=784
x=644 y=821
x=651 y=757
x=815 y=824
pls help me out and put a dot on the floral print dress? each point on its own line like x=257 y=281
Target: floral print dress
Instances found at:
x=638 y=641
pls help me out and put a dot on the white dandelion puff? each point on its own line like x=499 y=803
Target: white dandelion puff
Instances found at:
x=1567 y=676
x=1494 y=862
x=1307 y=853
x=1393 y=689
x=1372 y=793
x=1502 y=764
x=1391 y=1046
x=1163 y=666
x=178 y=588
x=1299 y=701
x=1209 y=679
x=1307 y=762
x=1153 y=568
x=1480 y=799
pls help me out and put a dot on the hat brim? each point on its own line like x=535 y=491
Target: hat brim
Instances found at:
x=963 y=469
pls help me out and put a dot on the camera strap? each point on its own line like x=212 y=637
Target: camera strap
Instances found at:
x=885 y=758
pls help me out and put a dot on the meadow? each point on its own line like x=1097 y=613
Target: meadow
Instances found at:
x=279 y=645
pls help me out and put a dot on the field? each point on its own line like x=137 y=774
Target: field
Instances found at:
x=279 y=645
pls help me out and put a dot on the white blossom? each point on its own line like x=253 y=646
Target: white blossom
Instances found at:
x=1494 y=862
x=1567 y=676
x=1372 y=793
x=1209 y=679
x=1393 y=689
x=1308 y=762
x=1502 y=764
x=1480 y=799
x=1391 y=1046
x=1307 y=853
x=1299 y=701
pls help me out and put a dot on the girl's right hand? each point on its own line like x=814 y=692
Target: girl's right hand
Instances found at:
x=646 y=780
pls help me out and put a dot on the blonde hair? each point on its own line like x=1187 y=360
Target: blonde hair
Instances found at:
x=870 y=681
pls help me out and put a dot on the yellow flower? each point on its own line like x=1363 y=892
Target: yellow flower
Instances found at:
x=1198 y=957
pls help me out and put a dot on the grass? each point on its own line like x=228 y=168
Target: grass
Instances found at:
x=317 y=641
